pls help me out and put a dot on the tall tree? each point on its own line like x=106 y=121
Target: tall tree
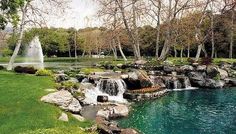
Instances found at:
x=30 y=12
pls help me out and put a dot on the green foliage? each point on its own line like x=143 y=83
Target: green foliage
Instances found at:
x=88 y=71
x=44 y=72
x=6 y=52
x=217 y=77
x=67 y=85
x=72 y=73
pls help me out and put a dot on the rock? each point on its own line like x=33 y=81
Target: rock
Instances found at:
x=128 y=131
x=186 y=68
x=212 y=71
x=119 y=65
x=101 y=98
x=169 y=69
x=201 y=68
x=121 y=111
x=138 y=79
x=124 y=76
x=63 y=117
x=78 y=117
x=232 y=82
x=106 y=127
x=80 y=77
x=140 y=62
x=113 y=112
x=197 y=79
x=223 y=74
x=74 y=106
x=157 y=81
x=210 y=83
x=104 y=113
x=61 y=77
x=73 y=80
x=64 y=100
x=84 y=86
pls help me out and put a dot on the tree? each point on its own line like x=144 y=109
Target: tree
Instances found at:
x=30 y=14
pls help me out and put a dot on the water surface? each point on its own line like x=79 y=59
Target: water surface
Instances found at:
x=186 y=112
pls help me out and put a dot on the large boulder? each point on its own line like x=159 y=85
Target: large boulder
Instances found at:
x=186 y=68
x=201 y=68
x=223 y=74
x=212 y=71
x=113 y=112
x=64 y=100
x=210 y=83
x=61 y=77
x=168 y=69
x=197 y=79
x=102 y=98
x=138 y=79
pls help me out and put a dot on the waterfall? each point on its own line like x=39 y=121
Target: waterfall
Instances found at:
x=34 y=54
x=187 y=83
x=113 y=88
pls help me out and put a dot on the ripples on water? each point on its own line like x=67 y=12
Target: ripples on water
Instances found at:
x=186 y=112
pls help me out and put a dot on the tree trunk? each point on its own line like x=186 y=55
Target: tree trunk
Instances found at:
x=181 y=53
x=175 y=51
x=231 y=35
x=132 y=35
x=188 y=50
x=166 y=47
x=198 y=54
x=212 y=33
x=120 y=49
x=69 y=50
x=83 y=53
x=75 y=44
x=113 y=48
x=157 y=40
x=19 y=41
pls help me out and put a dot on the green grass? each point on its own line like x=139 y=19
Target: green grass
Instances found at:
x=21 y=110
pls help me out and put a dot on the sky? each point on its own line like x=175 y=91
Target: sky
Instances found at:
x=81 y=13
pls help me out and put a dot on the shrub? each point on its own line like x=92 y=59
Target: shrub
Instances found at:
x=67 y=85
x=190 y=60
x=43 y=72
x=1 y=68
x=206 y=61
x=27 y=70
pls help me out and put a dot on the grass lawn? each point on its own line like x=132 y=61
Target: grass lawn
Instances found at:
x=22 y=112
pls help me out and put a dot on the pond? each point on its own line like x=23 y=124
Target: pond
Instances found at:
x=186 y=112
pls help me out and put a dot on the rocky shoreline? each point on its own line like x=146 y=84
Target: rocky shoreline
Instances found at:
x=113 y=90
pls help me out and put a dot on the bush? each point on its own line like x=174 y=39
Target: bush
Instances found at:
x=1 y=68
x=191 y=60
x=27 y=70
x=67 y=85
x=206 y=61
x=43 y=72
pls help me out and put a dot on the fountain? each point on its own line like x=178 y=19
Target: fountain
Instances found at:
x=34 y=54
x=114 y=88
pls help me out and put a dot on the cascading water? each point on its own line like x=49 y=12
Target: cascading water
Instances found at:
x=34 y=54
x=113 y=88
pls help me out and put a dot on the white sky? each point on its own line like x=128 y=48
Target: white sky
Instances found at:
x=77 y=16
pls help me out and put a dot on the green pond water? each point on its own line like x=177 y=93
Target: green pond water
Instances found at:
x=186 y=112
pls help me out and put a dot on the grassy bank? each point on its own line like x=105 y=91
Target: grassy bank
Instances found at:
x=22 y=112
x=111 y=60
